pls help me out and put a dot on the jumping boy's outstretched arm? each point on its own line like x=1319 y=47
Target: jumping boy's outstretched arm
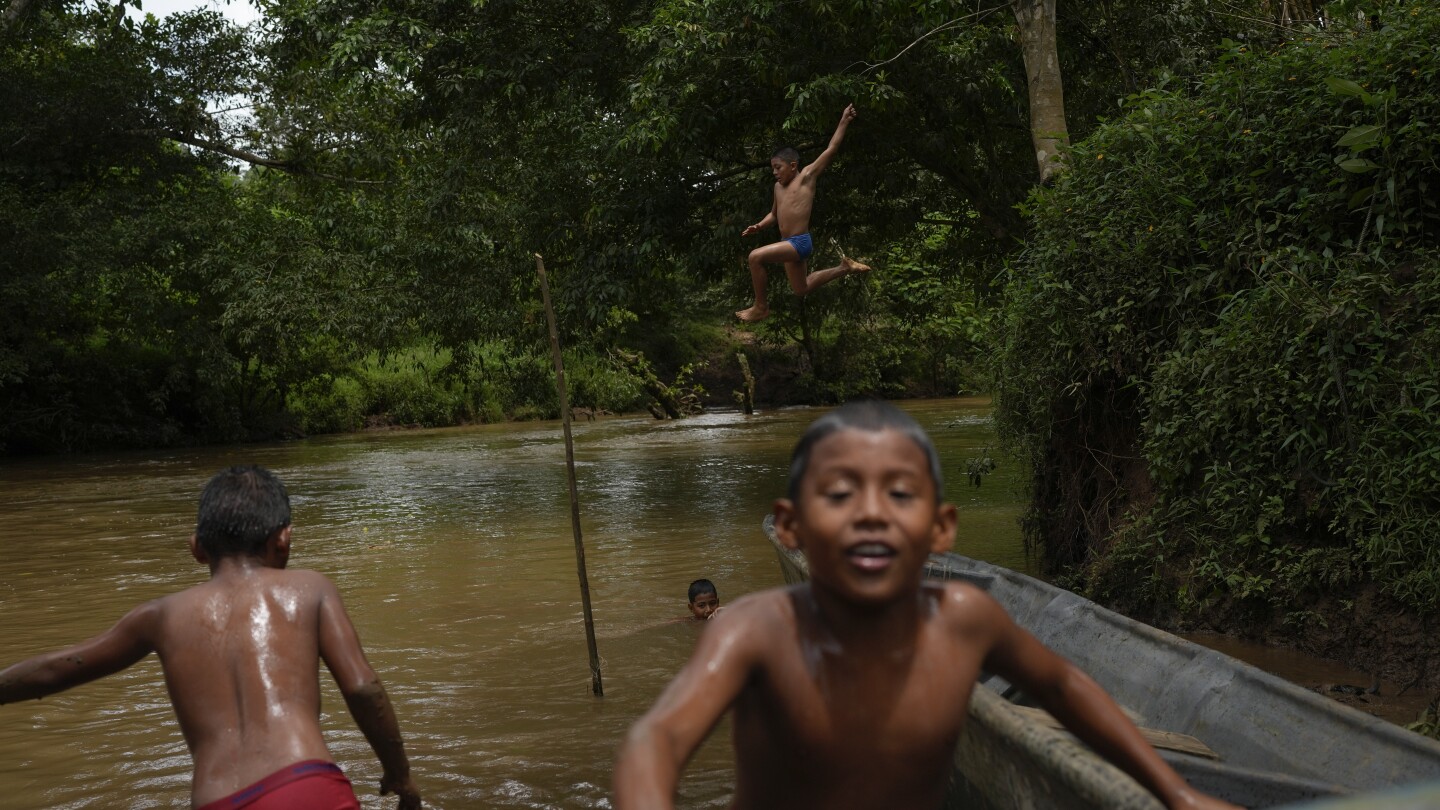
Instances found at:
x=1077 y=701
x=765 y=222
x=111 y=651
x=365 y=697
x=822 y=162
x=659 y=743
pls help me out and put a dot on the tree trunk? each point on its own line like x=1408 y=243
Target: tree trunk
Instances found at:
x=1042 y=74
x=13 y=13
x=746 y=396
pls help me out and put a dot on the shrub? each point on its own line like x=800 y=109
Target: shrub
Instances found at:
x=1220 y=339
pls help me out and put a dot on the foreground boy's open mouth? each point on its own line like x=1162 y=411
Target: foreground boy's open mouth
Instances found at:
x=873 y=556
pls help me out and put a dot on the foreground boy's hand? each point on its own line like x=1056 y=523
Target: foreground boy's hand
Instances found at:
x=403 y=787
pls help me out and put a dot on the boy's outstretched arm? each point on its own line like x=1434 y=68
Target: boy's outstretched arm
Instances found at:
x=111 y=651
x=1076 y=700
x=765 y=222
x=365 y=697
x=659 y=744
x=822 y=162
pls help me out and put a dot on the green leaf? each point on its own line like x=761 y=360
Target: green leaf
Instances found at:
x=1360 y=137
x=1358 y=165
x=1345 y=87
x=1360 y=197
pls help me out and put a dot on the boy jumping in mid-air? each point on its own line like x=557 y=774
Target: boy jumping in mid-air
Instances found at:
x=850 y=690
x=241 y=655
x=794 y=198
x=704 y=600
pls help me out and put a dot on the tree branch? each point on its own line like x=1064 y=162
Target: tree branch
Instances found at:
x=253 y=159
x=224 y=149
x=977 y=15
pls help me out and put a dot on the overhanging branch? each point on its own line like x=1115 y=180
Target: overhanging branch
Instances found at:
x=290 y=167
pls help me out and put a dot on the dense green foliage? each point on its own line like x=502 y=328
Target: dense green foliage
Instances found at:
x=367 y=220
x=102 y=225
x=403 y=161
x=1222 y=338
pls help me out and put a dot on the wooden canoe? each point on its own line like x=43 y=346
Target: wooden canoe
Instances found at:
x=1269 y=742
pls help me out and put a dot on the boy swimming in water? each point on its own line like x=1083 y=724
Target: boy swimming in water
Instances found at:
x=850 y=690
x=704 y=600
x=241 y=655
x=794 y=198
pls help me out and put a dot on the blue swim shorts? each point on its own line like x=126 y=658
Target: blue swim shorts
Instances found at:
x=802 y=244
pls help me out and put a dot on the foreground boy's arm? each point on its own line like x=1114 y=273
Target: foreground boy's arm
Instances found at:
x=1078 y=702
x=660 y=743
x=365 y=697
x=111 y=651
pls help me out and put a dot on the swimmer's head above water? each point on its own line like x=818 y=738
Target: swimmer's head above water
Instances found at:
x=704 y=599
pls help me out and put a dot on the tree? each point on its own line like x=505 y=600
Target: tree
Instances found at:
x=1036 y=19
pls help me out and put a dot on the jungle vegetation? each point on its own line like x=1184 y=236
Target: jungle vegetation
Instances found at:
x=1222 y=350
x=328 y=219
x=1210 y=328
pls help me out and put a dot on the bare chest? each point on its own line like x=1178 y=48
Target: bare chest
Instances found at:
x=908 y=710
x=795 y=200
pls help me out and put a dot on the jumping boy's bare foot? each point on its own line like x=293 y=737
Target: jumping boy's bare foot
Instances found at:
x=752 y=314
x=852 y=267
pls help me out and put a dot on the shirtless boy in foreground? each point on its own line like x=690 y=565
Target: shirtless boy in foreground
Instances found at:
x=850 y=690
x=794 y=197
x=241 y=655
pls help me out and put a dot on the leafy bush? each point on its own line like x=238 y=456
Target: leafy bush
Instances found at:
x=1220 y=341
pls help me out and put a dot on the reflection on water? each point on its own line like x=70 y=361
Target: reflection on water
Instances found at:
x=453 y=551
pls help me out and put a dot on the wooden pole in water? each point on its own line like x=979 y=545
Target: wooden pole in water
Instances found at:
x=595 y=685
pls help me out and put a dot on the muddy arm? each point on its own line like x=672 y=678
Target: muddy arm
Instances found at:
x=366 y=698
x=111 y=651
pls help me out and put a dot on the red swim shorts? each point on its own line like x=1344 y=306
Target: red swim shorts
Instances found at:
x=313 y=784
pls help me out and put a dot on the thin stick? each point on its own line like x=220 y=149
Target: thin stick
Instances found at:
x=595 y=685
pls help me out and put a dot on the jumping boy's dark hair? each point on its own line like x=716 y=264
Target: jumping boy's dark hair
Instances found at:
x=702 y=586
x=872 y=415
x=239 y=509
x=787 y=153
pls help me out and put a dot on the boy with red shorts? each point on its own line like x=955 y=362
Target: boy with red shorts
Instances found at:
x=241 y=654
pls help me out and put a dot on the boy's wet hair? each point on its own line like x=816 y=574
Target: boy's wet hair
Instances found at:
x=239 y=509
x=702 y=586
x=789 y=154
x=872 y=415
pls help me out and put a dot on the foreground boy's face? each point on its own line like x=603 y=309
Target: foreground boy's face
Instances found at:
x=704 y=605
x=868 y=514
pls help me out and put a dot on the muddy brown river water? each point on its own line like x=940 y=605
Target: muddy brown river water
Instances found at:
x=453 y=551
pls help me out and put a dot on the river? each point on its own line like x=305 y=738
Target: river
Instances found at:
x=454 y=554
